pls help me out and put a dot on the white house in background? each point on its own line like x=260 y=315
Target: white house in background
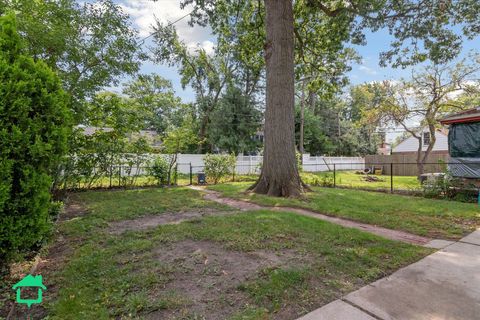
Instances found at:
x=410 y=144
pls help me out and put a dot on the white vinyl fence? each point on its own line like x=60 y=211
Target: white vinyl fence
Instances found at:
x=245 y=164
x=253 y=164
x=320 y=164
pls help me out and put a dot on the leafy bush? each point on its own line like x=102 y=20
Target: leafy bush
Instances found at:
x=317 y=181
x=159 y=169
x=34 y=124
x=448 y=187
x=133 y=160
x=218 y=166
x=55 y=209
x=436 y=186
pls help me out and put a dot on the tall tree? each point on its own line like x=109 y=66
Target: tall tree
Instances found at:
x=315 y=138
x=155 y=98
x=89 y=45
x=207 y=75
x=235 y=123
x=111 y=110
x=334 y=127
x=422 y=29
x=279 y=174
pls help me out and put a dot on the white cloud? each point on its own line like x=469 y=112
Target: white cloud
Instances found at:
x=206 y=45
x=144 y=12
x=367 y=70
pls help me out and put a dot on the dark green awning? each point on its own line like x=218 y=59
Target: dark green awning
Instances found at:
x=464 y=140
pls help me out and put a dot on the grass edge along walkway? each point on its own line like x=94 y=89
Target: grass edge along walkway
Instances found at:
x=380 y=231
x=436 y=219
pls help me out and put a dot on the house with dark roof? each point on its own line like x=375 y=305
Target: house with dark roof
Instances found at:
x=464 y=143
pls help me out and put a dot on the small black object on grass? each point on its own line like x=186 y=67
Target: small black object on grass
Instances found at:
x=202 y=179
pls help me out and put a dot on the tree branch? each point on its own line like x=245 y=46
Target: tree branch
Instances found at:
x=329 y=12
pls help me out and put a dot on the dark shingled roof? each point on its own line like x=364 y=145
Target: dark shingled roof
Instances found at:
x=472 y=115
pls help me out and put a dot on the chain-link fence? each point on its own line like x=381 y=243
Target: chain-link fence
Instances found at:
x=436 y=180
x=446 y=179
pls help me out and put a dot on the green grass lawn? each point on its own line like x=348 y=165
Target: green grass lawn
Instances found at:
x=158 y=273
x=109 y=206
x=426 y=217
x=350 y=179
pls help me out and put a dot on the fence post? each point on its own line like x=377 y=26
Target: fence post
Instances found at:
x=391 y=177
x=191 y=178
x=119 y=175
x=111 y=173
x=176 y=173
x=334 y=175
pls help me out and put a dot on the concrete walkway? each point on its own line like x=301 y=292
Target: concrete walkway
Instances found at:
x=443 y=286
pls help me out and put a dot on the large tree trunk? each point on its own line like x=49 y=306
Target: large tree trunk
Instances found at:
x=279 y=175
x=202 y=134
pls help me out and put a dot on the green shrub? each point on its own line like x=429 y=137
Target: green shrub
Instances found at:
x=34 y=124
x=55 y=209
x=448 y=187
x=218 y=166
x=159 y=169
x=317 y=181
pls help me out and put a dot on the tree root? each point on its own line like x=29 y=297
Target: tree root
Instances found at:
x=292 y=189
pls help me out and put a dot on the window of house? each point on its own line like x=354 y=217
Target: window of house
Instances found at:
x=426 y=138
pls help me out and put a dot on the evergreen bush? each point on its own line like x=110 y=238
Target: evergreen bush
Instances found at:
x=34 y=124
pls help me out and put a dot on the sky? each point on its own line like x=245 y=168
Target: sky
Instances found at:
x=144 y=12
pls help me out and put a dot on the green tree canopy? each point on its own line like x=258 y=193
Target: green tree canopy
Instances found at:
x=108 y=109
x=154 y=96
x=234 y=123
x=89 y=45
x=334 y=127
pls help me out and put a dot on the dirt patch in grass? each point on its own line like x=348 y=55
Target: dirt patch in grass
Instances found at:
x=151 y=221
x=72 y=210
x=208 y=276
x=52 y=259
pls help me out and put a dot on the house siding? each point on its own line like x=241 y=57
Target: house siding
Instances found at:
x=410 y=145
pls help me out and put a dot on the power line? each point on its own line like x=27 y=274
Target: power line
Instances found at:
x=141 y=41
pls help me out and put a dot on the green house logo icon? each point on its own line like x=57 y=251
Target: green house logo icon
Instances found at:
x=30 y=282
